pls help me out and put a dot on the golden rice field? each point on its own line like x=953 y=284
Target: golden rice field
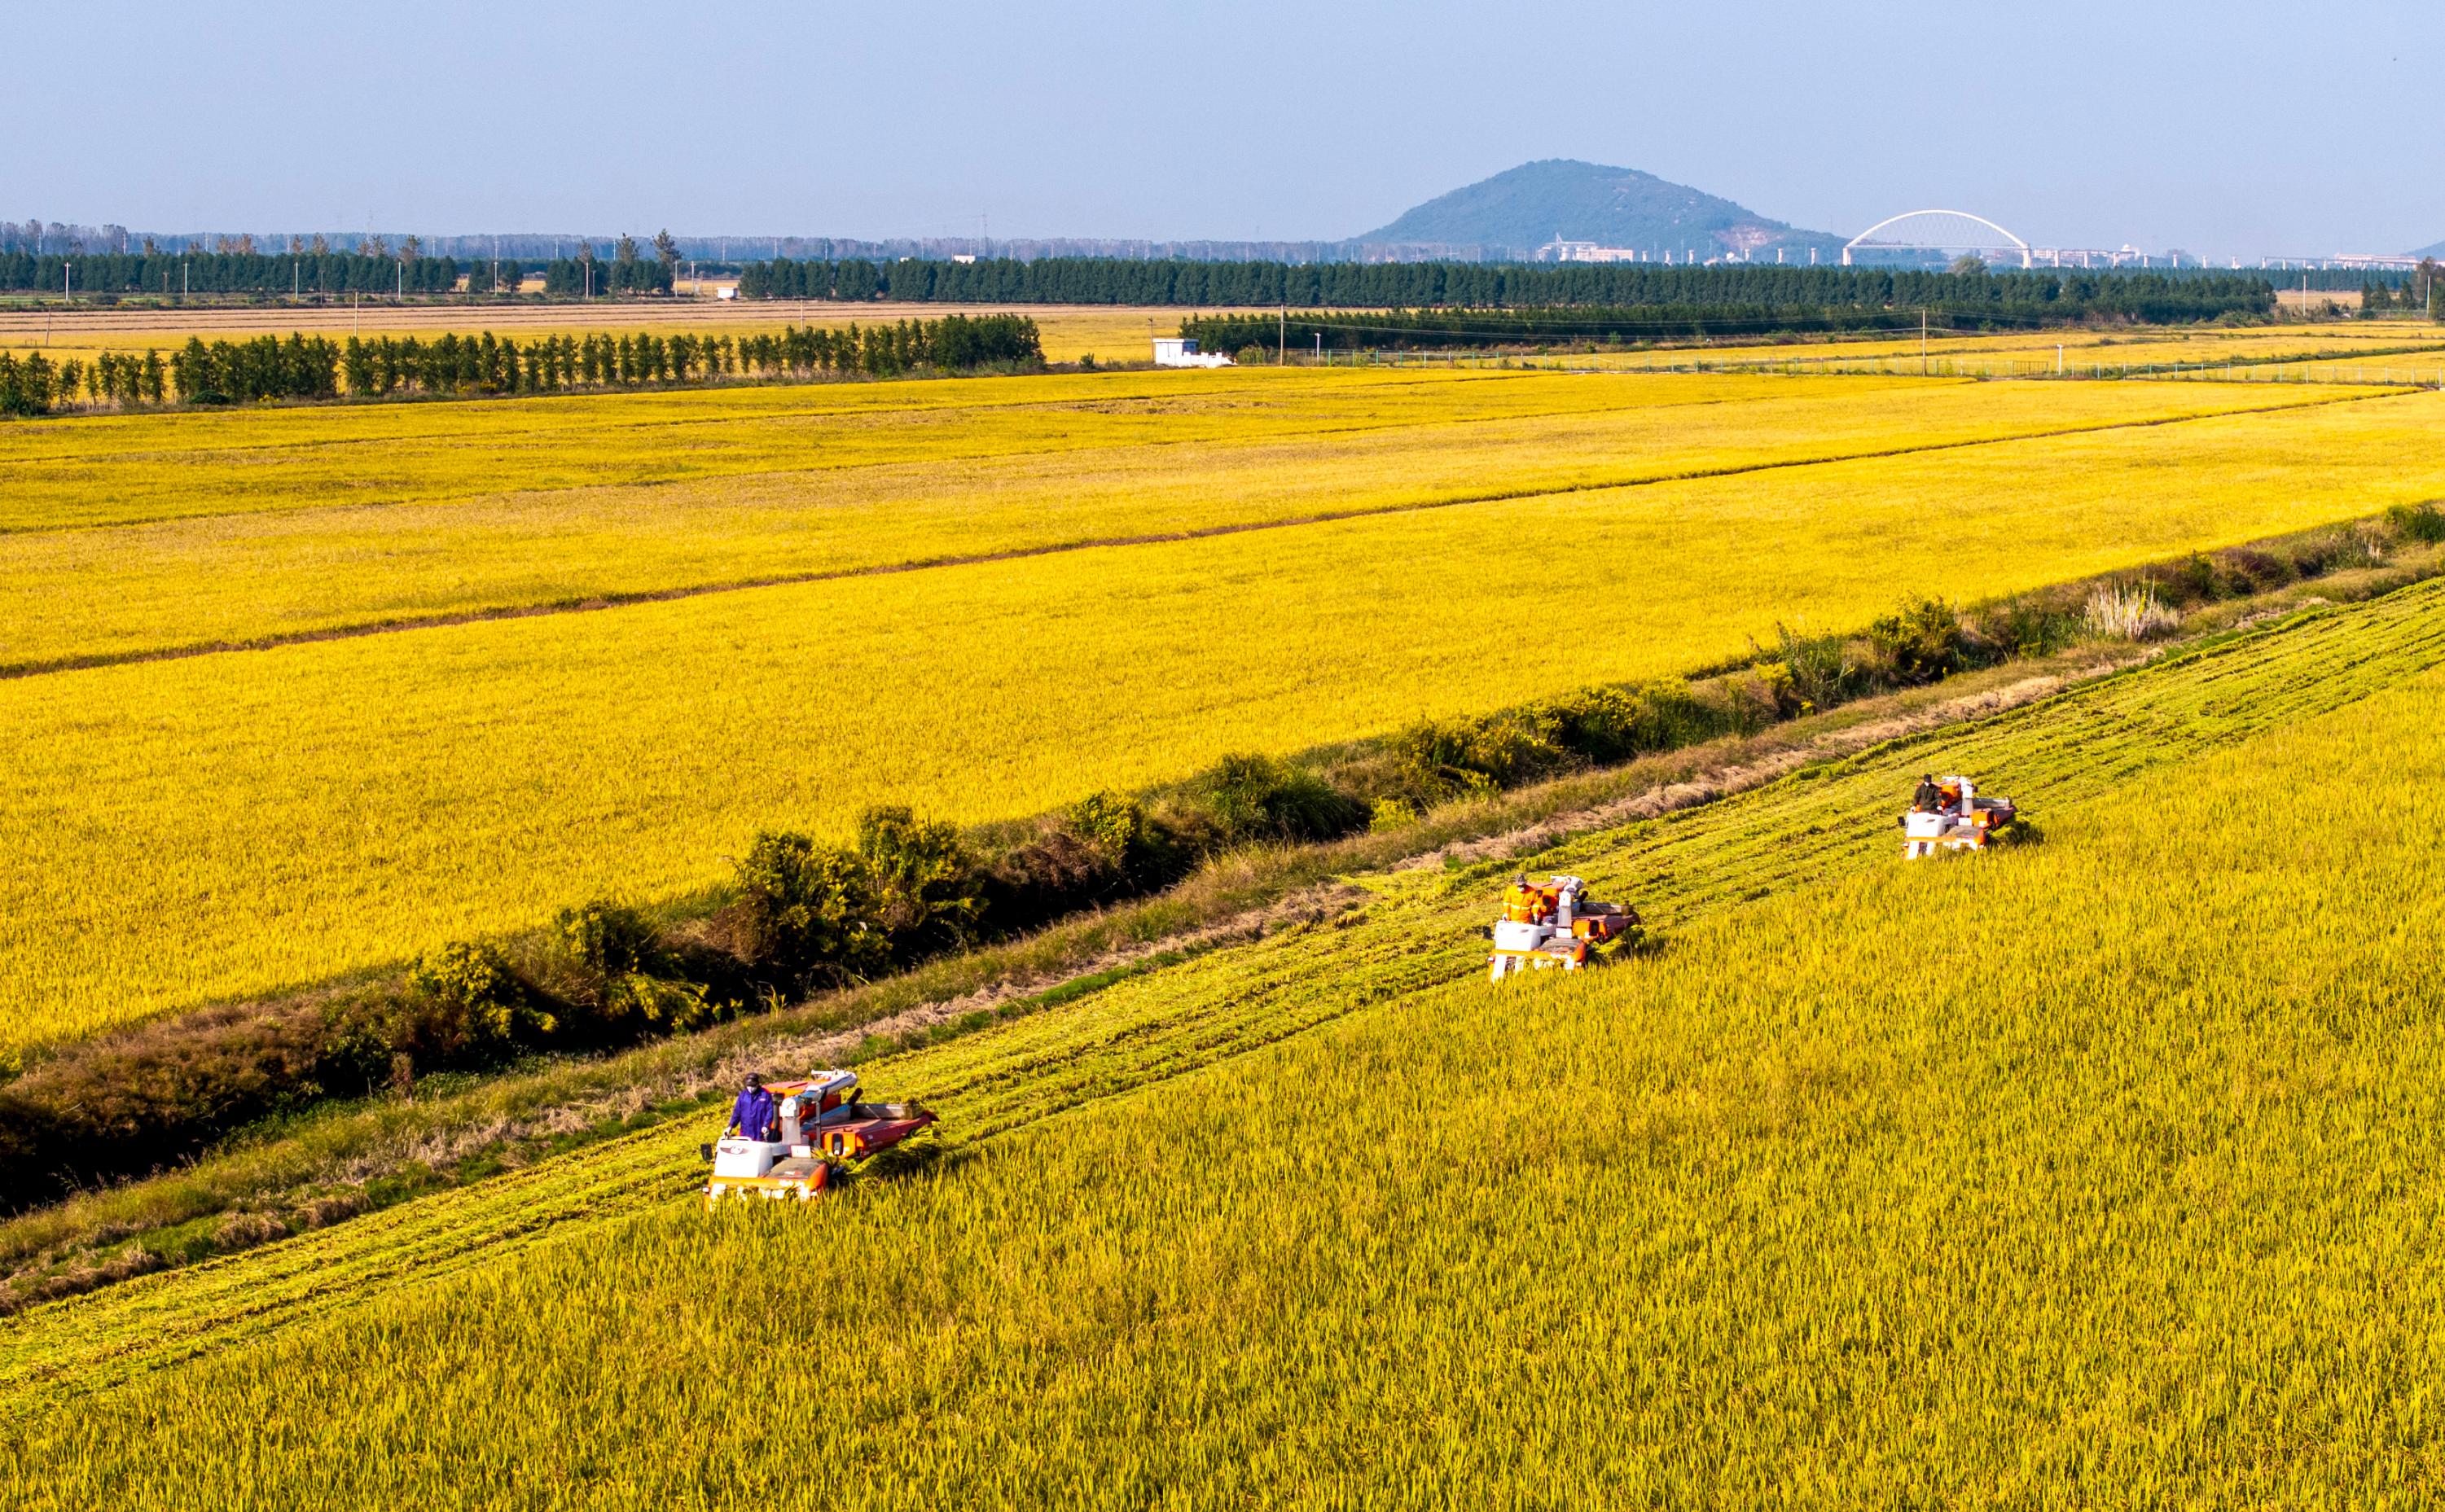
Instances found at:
x=1110 y=332
x=289 y=522
x=2111 y=347
x=2097 y=1173
x=250 y=822
x=117 y=470
x=180 y=832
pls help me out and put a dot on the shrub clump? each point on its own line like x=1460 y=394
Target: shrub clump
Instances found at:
x=1255 y=797
x=466 y=1003
x=1920 y=643
x=808 y=910
x=2423 y=522
x=1440 y=760
x=1610 y=724
x=608 y=960
x=926 y=895
x=821 y=913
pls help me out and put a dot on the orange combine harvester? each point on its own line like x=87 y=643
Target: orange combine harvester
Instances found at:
x=818 y=1127
x=1556 y=924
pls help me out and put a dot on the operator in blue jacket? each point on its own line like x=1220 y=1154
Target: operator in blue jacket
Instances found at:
x=754 y=1115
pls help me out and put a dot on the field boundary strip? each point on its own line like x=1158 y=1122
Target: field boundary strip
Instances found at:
x=1417 y=933
x=596 y=603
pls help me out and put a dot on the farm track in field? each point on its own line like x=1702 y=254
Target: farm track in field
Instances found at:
x=1417 y=931
x=592 y=603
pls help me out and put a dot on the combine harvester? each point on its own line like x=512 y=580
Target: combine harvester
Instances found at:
x=1556 y=924
x=821 y=1129
x=1949 y=815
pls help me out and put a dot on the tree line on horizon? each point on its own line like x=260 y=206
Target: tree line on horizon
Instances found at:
x=1412 y=285
x=2016 y=301
x=171 y=274
x=237 y=266
x=629 y=270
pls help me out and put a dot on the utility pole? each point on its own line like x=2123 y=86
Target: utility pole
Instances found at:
x=1922 y=341
x=1319 y=349
x=1283 y=356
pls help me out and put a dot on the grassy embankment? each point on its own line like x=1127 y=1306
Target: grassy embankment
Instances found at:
x=2095 y=1170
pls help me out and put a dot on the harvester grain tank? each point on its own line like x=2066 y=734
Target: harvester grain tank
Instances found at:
x=822 y=1127
x=1554 y=922
x=1949 y=815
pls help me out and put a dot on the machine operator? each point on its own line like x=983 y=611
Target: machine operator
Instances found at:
x=754 y=1116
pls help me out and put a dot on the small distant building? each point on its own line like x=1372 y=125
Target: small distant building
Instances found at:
x=963 y=257
x=725 y=291
x=1559 y=251
x=1181 y=351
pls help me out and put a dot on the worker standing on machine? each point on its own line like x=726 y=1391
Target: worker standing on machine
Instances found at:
x=753 y=1116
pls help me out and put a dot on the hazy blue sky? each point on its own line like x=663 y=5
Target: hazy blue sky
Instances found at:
x=2242 y=127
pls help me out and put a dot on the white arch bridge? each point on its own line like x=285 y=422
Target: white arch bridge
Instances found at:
x=1940 y=231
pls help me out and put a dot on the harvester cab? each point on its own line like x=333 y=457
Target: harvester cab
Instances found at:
x=818 y=1127
x=1554 y=922
x=1949 y=815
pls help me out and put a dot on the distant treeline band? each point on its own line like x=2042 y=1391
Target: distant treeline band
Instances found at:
x=1490 y=285
x=171 y=274
x=1563 y=325
x=305 y=367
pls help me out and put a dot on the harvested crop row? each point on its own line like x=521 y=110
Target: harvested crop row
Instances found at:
x=2069 y=756
x=184 y=831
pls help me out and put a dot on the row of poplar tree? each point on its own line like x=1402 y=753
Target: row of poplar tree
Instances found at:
x=306 y=367
x=633 y=268
x=1485 y=286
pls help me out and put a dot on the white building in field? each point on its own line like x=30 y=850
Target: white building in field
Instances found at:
x=1181 y=351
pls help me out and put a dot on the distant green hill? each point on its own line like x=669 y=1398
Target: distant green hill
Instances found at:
x=1521 y=210
x=2435 y=249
